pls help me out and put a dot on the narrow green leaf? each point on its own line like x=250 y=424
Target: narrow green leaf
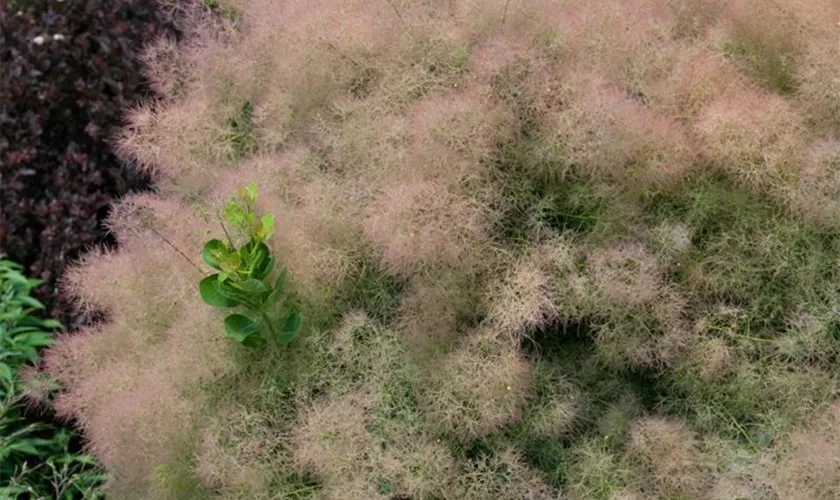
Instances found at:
x=29 y=323
x=241 y=329
x=8 y=264
x=23 y=329
x=51 y=324
x=212 y=294
x=16 y=277
x=35 y=339
x=24 y=447
x=31 y=302
x=263 y=261
x=290 y=329
x=30 y=320
x=6 y=374
x=213 y=252
x=249 y=257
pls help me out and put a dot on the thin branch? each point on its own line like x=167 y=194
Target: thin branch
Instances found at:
x=182 y=254
x=227 y=235
x=504 y=14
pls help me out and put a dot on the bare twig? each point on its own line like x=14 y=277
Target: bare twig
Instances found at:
x=227 y=235
x=181 y=253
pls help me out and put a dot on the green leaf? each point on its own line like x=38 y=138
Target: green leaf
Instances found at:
x=23 y=329
x=214 y=251
x=30 y=320
x=33 y=322
x=231 y=263
x=237 y=215
x=229 y=290
x=212 y=293
x=51 y=324
x=25 y=448
x=243 y=330
x=265 y=269
x=279 y=286
x=290 y=329
x=263 y=261
x=35 y=339
x=254 y=341
x=31 y=302
x=253 y=286
x=249 y=193
x=27 y=351
x=266 y=227
x=6 y=374
x=255 y=257
x=16 y=277
x=280 y=282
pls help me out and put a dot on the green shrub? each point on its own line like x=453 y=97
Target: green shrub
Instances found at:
x=36 y=460
x=243 y=274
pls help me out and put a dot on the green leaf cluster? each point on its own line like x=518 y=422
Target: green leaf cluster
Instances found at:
x=243 y=277
x=35 y=459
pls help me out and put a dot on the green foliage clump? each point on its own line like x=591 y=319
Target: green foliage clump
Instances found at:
x=36 y=460
x=243 y=275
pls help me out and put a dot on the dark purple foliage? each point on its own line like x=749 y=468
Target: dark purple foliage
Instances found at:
x=61 y=97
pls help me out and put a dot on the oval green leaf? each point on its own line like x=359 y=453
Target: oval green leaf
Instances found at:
x=241 y=328
x=290 y=329
x=256 y=340
x=213 y=251
x=208 y=288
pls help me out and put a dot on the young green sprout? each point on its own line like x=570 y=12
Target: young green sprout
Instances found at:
x=243 y=274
